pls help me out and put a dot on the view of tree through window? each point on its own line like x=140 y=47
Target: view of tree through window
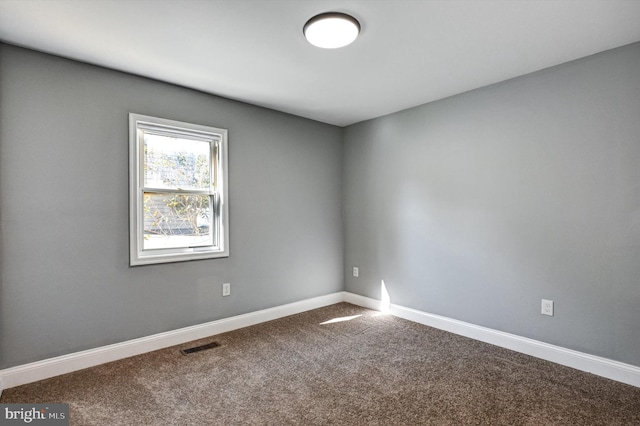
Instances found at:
x=177 y=184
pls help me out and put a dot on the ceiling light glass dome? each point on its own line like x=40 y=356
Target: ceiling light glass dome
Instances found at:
x=331 y=30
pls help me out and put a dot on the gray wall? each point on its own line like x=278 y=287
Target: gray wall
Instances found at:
x=66 y=284
x=474 y=207
x=477 y=206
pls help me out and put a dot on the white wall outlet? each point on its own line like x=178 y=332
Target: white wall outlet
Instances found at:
x=547 y=307
x=226 y=289
x=356 y=271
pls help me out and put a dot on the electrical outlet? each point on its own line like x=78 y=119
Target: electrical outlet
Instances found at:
x=356 y=271
x=547 y=307
x=226 y=289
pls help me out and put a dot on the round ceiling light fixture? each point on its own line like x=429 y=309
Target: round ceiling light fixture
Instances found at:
x=331 y=30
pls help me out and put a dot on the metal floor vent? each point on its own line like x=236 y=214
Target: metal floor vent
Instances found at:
x=199 y=348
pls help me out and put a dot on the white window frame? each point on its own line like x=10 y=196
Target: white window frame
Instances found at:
x=219 y=195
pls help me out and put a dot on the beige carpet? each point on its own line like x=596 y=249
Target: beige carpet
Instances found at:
x=367 y=369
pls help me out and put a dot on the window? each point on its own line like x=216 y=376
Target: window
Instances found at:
x=178 y=191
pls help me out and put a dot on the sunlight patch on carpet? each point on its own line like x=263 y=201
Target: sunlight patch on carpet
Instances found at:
x=340 y=319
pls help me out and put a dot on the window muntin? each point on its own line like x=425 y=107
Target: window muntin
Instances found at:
x=178 y=191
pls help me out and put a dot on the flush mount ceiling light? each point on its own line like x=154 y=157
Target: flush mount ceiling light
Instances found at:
x=331 y=30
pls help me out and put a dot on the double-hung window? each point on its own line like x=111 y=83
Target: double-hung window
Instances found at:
x=178 y=191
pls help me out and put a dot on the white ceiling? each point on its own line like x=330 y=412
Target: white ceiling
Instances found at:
x=409 y=52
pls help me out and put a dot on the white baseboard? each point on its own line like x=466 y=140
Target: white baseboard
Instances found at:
x=39 y=370
x=16 y=376
x=365 y=302
x=604 y=367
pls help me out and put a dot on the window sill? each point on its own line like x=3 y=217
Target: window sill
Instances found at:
x=155 y=258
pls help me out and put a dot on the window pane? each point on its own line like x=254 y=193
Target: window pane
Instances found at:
x=177 y=221
x=176 y=163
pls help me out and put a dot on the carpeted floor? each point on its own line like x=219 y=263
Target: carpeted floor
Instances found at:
x=339 y=365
